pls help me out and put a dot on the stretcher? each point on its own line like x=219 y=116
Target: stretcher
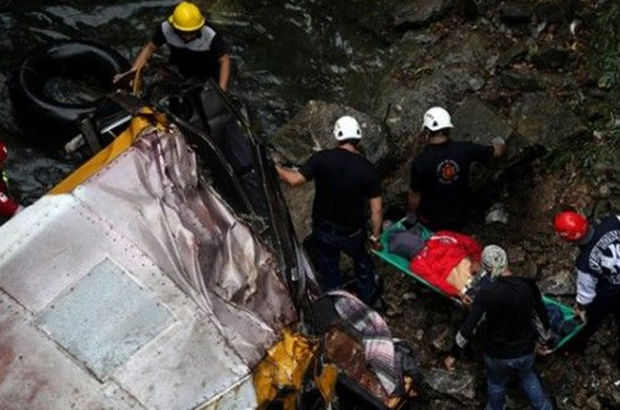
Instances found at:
x=402 y=264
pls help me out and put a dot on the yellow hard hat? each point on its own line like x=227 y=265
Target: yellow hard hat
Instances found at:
x=186 y=17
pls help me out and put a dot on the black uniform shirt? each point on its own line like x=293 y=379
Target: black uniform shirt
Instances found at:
x=195 y=58
x=344 y=182
x=441 y=175
x=509 y=305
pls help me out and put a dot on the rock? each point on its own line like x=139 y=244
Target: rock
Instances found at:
x=396 y=189
x=299 y=201
x=415 y=13
x=541 y=119
x=593 y=403
x=513 y=53
x=407 y=92
x=604 y=191
x=476 y=121
x=32 y=174
x=459 y=385
x=484 y=7
x=311 y=130
x=595 y=110
x=409 y=296
x=520 y=81
x=551 y=57
x=554 y=11
x=497 y=213
x=441 y=336
x=561 y=283
x=615 y=395
x=515 y=12
x=7 y=119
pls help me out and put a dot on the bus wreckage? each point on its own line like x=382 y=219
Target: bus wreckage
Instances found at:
x=164 y=273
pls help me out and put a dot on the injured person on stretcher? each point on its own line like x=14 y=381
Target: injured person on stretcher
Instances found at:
x=447 y=260
x=456 y=265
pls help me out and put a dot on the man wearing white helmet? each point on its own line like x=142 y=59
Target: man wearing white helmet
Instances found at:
x=440 y=174
x=345 y=181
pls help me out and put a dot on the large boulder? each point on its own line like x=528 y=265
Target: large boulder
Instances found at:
x=474 y=120
x=311 y=130
x=455 y=67
x=299 y=201
x=543 y=120
x=416 y=13
x=459 y=385
x=515 y=12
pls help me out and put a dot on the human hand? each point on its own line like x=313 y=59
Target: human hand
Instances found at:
x=465 y=299
x=580 y=313
x=450 y=363
x=118 y=77
x=543 y=350
x=375 y=243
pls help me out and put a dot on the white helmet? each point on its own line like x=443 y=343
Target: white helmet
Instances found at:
x=347 y=128
x=436 y=119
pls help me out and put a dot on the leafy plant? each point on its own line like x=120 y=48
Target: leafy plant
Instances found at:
x=607 y=43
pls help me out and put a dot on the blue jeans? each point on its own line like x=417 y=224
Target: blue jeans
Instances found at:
x=500 y=371
x=329 y=245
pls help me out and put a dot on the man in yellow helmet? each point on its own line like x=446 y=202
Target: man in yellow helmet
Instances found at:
x=196 y=49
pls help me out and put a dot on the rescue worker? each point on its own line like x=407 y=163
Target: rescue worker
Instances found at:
x=196 y=49
x=598 y=269
x=439 y=185
x=8 y=207
x=509 y=304
x=345 y=180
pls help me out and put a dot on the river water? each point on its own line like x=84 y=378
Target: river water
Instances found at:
x=285 y=53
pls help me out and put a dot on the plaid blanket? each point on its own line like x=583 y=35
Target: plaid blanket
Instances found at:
x=376 y=337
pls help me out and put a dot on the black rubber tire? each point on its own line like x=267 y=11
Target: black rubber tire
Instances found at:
x=65 y=59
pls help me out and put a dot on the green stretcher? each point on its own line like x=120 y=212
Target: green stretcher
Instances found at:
x=402 y=264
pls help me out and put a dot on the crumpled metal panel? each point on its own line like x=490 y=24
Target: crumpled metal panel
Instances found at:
x=190 y=358
x=155 y=197
x=104 y=319
x=34 y=374
x=173 y=236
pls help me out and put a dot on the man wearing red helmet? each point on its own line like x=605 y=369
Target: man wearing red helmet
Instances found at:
x=598 y=267
x=8 y=207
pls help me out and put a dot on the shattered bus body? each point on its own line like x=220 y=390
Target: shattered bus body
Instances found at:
x=159 y=275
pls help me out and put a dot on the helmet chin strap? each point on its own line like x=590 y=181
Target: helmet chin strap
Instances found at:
x=588 y=236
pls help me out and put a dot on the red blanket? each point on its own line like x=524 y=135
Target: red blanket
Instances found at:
x=442 y=253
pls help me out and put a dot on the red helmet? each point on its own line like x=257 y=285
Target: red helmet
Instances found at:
x=571 y=226
x=3 y=152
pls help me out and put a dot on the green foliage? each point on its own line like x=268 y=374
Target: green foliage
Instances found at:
x=607 y=43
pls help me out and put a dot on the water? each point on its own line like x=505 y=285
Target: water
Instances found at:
x=285 y=53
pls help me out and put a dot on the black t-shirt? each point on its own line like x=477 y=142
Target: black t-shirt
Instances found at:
x=344 y=182
x=509 y=305
x=195 y=58
x=600 y=257
x=441 y=175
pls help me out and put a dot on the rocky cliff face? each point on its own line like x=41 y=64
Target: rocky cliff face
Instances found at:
x=521 y=70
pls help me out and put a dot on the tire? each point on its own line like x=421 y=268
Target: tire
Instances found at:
x=67 y=59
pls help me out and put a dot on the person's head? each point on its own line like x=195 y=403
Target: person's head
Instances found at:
x=571 y=226
x=495 y=261
x=347 y=131
x=187 y=20
x=437 y=123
